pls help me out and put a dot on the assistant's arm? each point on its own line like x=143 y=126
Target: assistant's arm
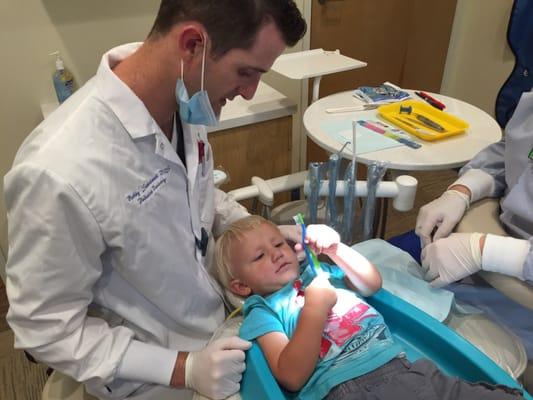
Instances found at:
x=462 y=254
x=483 y=176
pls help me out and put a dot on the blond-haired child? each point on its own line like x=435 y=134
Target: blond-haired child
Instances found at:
x=319 y=337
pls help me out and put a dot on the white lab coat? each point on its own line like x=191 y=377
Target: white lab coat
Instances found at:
x=511 y=169
x=102 y=219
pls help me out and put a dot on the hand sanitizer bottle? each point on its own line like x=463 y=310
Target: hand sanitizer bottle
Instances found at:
x=63 y=79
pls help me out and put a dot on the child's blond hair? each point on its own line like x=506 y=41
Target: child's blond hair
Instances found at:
x=235 y=231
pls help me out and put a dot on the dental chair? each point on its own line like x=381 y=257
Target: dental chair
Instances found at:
x=483 y=216
x=402 y=191
x=499 y=347
x=496 y=341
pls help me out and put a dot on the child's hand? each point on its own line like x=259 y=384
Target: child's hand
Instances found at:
x=322 y=239
x=320 y=294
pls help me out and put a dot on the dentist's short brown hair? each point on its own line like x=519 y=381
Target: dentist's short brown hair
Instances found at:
x=232 y=24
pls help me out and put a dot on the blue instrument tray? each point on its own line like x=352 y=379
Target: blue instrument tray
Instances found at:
x=421 y=336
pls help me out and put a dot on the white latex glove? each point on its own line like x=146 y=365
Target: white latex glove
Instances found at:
x=450 y=259
x=442 y=214
x=216 y=370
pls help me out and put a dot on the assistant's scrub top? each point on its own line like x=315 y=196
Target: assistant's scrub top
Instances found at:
x=510 y=165
x=103 y=220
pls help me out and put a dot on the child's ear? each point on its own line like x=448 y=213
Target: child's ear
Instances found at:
x=240 y=288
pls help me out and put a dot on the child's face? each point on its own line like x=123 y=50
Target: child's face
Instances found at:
x=262 y=262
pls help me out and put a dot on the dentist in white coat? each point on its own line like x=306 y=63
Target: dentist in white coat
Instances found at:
x=112 y=208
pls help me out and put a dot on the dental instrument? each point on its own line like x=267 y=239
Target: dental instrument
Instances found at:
x=431 y=100
x=362 y=107
x=416 y=128
x=422 y=118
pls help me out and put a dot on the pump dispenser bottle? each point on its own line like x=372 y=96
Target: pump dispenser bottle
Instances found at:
x=63 y=79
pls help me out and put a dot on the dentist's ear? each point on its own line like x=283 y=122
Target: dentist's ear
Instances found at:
x=191 y=41
x=240 y=288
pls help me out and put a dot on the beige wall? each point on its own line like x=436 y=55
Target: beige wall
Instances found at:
x=479 y=58
x=81 y=30
x=31 y=29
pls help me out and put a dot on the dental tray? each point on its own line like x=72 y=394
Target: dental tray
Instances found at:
x=422 y=115
x=419 y=334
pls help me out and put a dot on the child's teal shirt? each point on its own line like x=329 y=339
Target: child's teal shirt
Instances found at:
x=355 y=339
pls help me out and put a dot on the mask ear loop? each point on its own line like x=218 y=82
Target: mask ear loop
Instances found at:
x=203 y=61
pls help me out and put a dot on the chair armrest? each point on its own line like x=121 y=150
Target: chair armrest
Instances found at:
x=483 y=216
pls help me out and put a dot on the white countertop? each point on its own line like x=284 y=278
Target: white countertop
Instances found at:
x=314 y=63
x=267 y=104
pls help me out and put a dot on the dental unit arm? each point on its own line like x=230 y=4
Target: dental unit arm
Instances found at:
x=402 y=189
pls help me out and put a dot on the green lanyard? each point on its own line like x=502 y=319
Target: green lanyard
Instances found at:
x=530 y=155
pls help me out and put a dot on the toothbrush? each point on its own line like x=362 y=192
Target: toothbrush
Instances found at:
x=311 y=257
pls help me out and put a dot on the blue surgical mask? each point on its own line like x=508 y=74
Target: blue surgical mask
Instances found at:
x=197 y=109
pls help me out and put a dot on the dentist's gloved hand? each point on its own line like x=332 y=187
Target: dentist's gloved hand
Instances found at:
x=450 y=259
x=216 y=370
x=442 y=214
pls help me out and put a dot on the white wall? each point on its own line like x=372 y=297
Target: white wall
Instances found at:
x=479 y=58
x=82 y=30
x=31 y=29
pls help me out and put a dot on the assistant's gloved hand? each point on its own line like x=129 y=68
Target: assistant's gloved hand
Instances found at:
x=443 y=214
x=450 y=259
x=216 y=370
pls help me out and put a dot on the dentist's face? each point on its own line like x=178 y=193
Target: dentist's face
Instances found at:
x=262 y=261
x=238 y=71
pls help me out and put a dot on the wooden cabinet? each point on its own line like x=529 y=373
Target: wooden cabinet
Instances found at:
x=261 y=149
x=403 y=41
